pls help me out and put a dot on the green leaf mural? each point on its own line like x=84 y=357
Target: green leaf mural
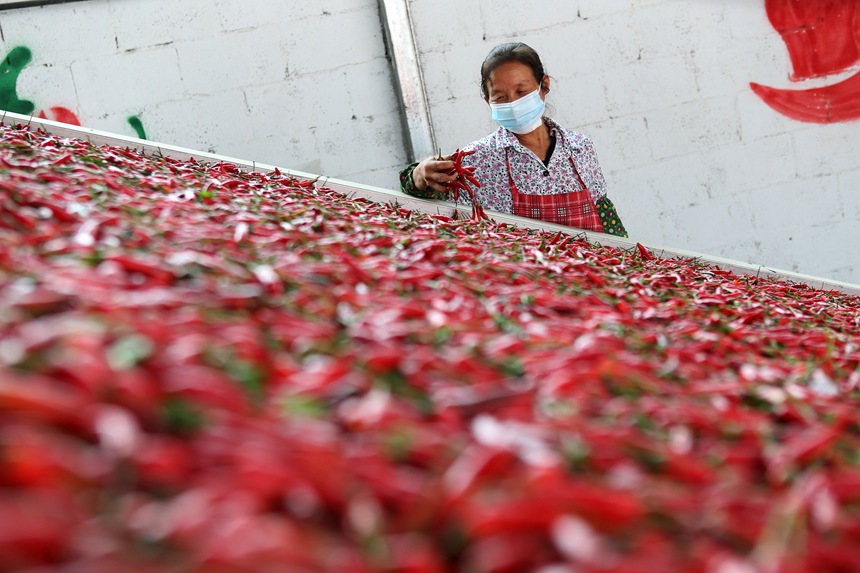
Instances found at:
x=10 y=68
x=137 y=126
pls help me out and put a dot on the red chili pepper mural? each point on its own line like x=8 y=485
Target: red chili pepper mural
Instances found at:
x=823 y=38
x=61 y=114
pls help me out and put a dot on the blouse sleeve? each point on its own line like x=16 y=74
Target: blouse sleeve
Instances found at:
x=407 y=185
x=598 y=182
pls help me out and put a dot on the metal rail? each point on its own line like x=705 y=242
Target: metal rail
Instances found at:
x=12 y=4
x=400 y=39
x=381 y=195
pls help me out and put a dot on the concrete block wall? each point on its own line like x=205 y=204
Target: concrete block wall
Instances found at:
x=305 y=85
x=693 y=159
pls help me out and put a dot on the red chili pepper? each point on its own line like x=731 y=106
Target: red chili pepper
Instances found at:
x=41 y=398
x=234 y=184
x=62 y=159
x=15 y=216
x=138 y=265
x=35 y=529
x=464 y=177
x=58 y=212
x=50 y=177
x=645 y=254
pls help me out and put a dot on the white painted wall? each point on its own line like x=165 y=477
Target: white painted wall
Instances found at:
x=302 y=84
x=692 y=157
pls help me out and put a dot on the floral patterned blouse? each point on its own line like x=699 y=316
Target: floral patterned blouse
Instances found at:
x=531 y=175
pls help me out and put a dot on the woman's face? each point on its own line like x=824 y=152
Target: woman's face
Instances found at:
x=511 y=81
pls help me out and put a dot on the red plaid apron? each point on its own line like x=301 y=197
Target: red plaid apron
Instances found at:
x=574 y=209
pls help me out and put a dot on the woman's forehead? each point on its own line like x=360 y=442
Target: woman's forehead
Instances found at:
x=511 y=73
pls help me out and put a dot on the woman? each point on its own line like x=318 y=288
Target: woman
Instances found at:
x=531 y=166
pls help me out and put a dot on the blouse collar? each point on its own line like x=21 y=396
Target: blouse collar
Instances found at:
x=504 y=138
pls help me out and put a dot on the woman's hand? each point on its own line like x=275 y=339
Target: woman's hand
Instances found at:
x=434 y=173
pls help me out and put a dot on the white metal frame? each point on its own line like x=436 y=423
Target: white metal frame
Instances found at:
x=400 y=36
x=13 y=4
x=381 y=195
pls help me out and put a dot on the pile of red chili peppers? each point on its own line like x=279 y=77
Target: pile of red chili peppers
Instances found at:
x=212 y=370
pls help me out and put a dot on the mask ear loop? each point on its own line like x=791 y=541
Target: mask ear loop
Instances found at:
x=545 y=88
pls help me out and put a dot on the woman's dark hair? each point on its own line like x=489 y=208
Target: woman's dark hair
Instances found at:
x=510 y=52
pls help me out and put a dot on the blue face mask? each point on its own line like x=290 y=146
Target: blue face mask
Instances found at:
x=521 y=116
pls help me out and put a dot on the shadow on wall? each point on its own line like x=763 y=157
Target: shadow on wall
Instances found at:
x=823 y=38
x=10 y=68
